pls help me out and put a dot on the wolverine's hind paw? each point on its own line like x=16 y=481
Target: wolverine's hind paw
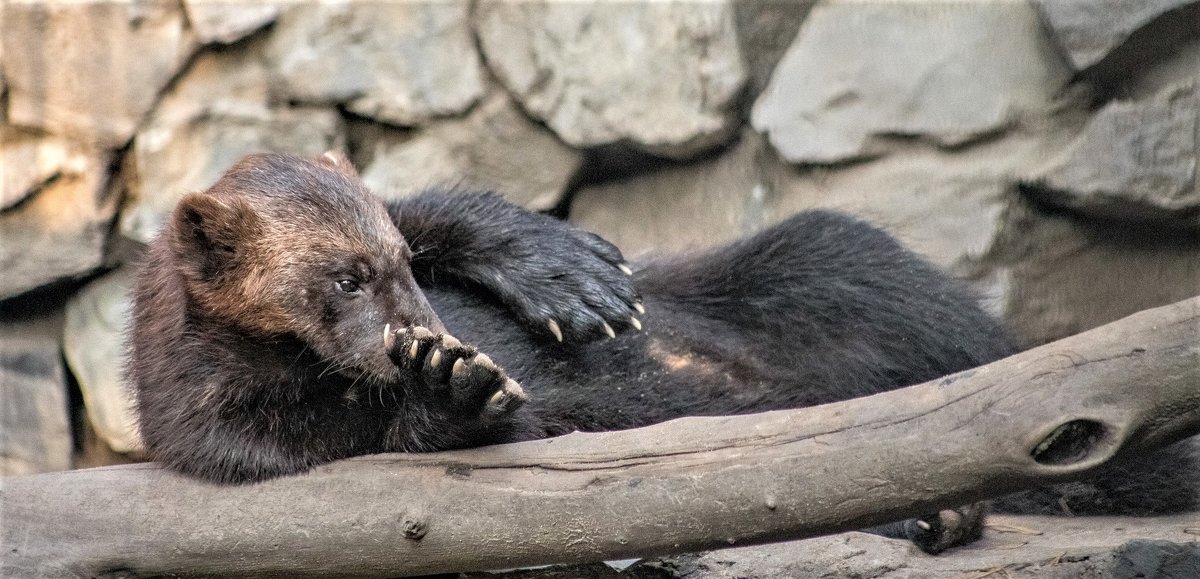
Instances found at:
x=948 y=528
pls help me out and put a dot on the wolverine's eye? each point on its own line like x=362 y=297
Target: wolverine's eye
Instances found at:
x=348 y=285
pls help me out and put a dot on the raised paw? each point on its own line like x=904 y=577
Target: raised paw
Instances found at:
x=948 y=528
x=571 y=286
x=456 y=374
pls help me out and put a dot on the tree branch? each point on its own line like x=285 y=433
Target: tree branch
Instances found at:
x=1049 y=414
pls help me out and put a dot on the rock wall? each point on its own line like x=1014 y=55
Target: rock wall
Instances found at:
x=1045 y=150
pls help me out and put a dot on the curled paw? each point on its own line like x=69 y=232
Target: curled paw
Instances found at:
x=456 y=374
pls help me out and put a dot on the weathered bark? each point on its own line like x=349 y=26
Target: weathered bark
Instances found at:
x=690 y=484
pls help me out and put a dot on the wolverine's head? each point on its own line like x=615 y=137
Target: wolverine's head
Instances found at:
x=290 y=246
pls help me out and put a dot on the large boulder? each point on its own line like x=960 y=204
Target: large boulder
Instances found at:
x=660 y=76
x=91 y=70
x=397 y=62
x=1133 y=160
x=948 y=72
x=220 y=110
x=496 y=147
x=93 y=345
x=55 y=219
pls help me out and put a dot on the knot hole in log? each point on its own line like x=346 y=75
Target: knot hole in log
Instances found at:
x=1077 y=441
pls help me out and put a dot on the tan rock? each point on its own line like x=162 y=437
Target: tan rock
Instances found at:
x=91 y=70
x=93 y=344
x=31 y=161
x=495 y=148
x=397 y=62
x=59 y=231
x=661 y=76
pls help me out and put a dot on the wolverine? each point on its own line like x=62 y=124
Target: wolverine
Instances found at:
x=287 y=317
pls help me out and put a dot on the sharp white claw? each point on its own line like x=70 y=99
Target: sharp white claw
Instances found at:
x=388 y=338
x=459 y=367
x=413 y=350
x=496 y=398
x=608 y=330
x=925 y=526
x=554 y=329
x=513 y=388
x=624 y=269
x=435 y=359
x=636 y=323
x=639 y=308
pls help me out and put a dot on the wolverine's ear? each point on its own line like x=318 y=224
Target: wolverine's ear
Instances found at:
x=338 y=161
x=209 y=232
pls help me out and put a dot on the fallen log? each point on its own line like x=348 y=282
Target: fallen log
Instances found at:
x=1049 y=414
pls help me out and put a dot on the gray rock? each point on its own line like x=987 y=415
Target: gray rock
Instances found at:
x=683 y=205
x=34 y=431
x=228 y=22
x=949 y=72
x=90 y=70
x=663 y=77
x=59 y=229
x=93 y=346
x=1134 y=160
x=1088 y=30
x=219 y=111
x=496 y=148
x=397 y=62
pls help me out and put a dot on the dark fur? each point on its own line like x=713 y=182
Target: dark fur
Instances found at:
x=248 y=363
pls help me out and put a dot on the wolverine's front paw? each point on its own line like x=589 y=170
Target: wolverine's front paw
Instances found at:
x=567 y=284
x=455 y=373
